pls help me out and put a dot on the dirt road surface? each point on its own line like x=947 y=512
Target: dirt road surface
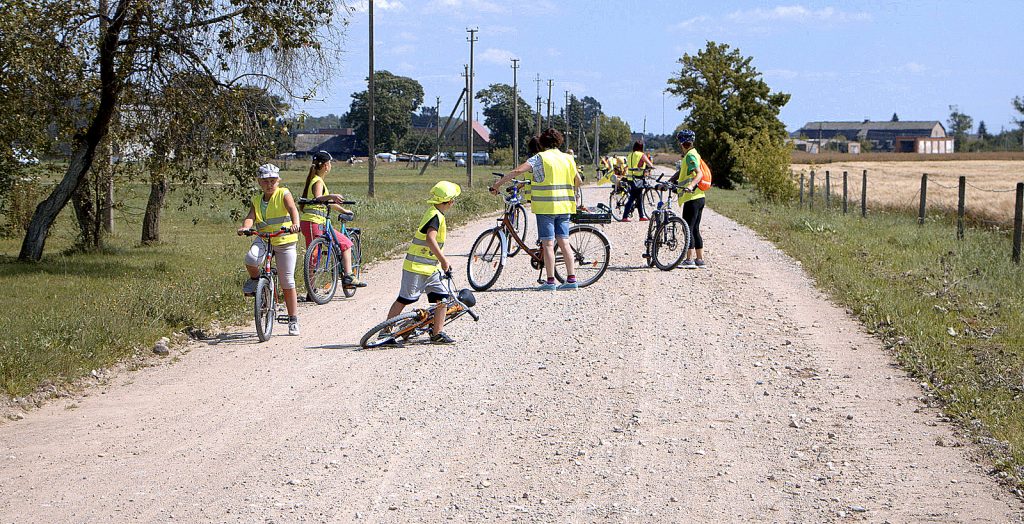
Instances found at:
x=733 y=394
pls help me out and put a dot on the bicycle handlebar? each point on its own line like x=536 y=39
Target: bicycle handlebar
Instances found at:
x=253 y=231
x=313 y=201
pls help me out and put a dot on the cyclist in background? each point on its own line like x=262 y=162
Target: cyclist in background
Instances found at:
x=314 y=217
x=637 y=159
x=270 y=210
x=691 y=199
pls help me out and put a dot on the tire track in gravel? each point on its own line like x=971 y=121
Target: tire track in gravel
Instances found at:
x=737 y=393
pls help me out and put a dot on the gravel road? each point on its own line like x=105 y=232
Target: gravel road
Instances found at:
x=737 y=393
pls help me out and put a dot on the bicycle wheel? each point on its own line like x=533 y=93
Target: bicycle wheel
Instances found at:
x=670 y=243
x=403 y=327
x=520 y=225
x=591 y=252
x=320 y=268
x=650 y=200
x=617 y=203
x=486 y=259
x=265 y=310
x=357 y=265
x=649 y=241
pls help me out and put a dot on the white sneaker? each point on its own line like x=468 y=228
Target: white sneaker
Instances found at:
x=293 y=326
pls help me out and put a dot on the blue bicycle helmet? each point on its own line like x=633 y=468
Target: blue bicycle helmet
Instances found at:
x=686 y=136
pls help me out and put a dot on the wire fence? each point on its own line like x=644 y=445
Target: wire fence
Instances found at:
x=823 y=192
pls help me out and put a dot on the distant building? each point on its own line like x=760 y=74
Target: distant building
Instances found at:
x=340 y=143
x=905 y=137
x=455 y=136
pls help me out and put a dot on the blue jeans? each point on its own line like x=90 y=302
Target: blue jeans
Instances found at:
x=550 y=227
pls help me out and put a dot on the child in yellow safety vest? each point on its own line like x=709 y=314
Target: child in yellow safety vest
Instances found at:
x=425 y=260
x=270 y=210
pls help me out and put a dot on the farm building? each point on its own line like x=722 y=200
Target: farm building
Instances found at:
x=907 y=137
x=340 y=143
x=455 y=137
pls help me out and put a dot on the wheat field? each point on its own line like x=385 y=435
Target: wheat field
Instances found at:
x=990 y=185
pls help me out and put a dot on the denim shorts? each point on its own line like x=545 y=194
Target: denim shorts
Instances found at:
x=550 y=227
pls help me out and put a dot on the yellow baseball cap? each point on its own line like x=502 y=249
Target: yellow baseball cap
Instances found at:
x=444 y=191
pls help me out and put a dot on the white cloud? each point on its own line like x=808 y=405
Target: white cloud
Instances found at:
x=362 y=6
x=692 y=23
x=497 y=56
x=912 y=67
x=474 y=6
x=797 y=13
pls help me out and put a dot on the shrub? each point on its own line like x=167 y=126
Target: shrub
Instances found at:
x=764 y=162
x=19 y=203
x=502 y=156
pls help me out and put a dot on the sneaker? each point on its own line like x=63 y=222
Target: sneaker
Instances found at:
x=568 y=285
x=352 y=281
x=700 y=263
x=293 y=326
x=441 y=338
x=249 y=287
x=547 y=286
x=644 y=219
x=688 y=264
x=626 y=219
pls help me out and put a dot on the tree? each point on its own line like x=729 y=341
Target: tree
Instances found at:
x=982 y=131
x=895 y=118
x=498 y=114
x=726 y=102
x=960 y=126
x=394 y=102
x=615 y=134
x=764 y=161
x=126 y=48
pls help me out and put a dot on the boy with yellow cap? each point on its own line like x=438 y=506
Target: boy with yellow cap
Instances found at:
x=425 y=260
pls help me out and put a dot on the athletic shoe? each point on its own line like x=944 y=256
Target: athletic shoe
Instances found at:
x=625 y=220
x=293 y=326
x=700 y=263
x=644 y=219
x=547 y=286
x=441 y=338
x=688 y=264
x=351 y=281
x=568 y=285
x=249 y=287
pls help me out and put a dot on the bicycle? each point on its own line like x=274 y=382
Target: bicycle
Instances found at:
x=668 y=235
x=591 y=251
x=265 y=299
x=412 y=324
x=516 y=212
x=322 y=262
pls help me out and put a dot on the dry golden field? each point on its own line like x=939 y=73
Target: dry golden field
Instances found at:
x=892 y=184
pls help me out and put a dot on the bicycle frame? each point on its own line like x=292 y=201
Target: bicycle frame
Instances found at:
x=454 y=308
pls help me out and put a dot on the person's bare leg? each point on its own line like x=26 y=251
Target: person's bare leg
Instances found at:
x=291 y=302
x=440 y=310
x=700 y=254
x=549 y=257
x=396 y=309
x=563 y=245
x=254 y=272
x=346 y=261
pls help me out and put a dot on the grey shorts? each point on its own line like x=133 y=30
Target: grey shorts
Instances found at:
x=414 y=284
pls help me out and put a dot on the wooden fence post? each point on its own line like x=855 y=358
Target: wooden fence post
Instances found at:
x=810 y=195
x=960 y=208
x=846 y=194
x=864 y=196
x=924 y=198
x=828 y=190
x=1018 y=211
x=801 y=190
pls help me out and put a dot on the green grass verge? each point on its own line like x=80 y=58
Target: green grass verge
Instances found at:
x=952 y=312
x=72 y=313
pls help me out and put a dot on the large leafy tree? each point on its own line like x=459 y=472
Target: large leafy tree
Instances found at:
x=498 y=116
x=726 y=102
x=128 y=51
x=615 y=134
x=960 y=125
x=396 y=99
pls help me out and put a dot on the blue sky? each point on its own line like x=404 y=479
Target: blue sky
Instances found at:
x=838 y=60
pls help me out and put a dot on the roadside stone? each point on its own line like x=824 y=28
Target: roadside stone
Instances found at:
x=160 y=348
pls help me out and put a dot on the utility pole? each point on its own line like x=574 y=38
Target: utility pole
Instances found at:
x=597 y=138
x=537 y=130
x=437 y=115
x=515 y=112
x=567 y=119
x=372 y=161
x=550 y=83
x=469 y=109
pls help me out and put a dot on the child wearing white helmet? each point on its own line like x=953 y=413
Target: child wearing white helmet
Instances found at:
x=425 y=260
x=270 y=210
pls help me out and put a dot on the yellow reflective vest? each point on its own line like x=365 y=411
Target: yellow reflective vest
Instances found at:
x=633 y=162
x=277 y=217
x=315 y=213
x=555 y=195
x=419 y=259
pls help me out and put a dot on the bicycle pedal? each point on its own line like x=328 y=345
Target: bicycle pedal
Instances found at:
x=282 y=319
x=645 y=255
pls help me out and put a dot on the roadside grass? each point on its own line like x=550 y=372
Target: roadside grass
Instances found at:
x=76 y=312
x=952 y=312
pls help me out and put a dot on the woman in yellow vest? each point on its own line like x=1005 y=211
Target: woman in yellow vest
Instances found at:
x=692 y=198
x=425 y=260
x=314 y=217
x=270 y=210
x=554 y=198
x=637 y=159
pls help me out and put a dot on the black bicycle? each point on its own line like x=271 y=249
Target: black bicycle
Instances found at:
x=668 y=235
